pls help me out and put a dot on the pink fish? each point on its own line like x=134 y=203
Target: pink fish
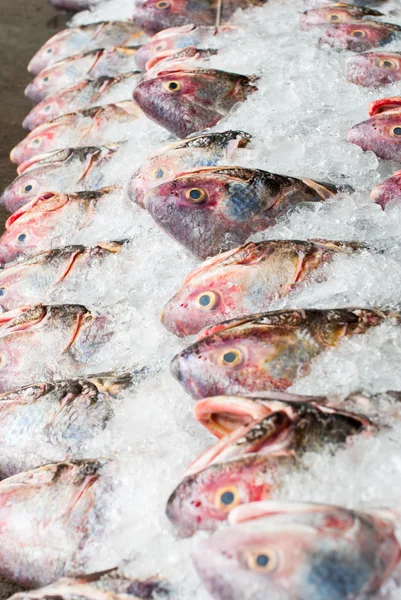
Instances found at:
x=360 y=36
x=380 y=134
x=373 y=69
x=388 y=191
x=81 y=96
x=335 y=13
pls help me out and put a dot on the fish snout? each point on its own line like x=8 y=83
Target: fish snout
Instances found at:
x=176 y=368
x=358 y=73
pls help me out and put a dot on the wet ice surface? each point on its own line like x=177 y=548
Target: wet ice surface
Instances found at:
x=299 y=120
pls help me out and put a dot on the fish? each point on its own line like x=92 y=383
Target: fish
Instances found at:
x=380 y=134
x=249 y=464
x=90 y=65
x=246 y=280
x=188 y=58
x=185 y=101
x=169 y=41
x=96 y=126
x=155 y=15
x=202 y=150
x=360 y=36
x=315 y=3
x=217 y=208
x=67 y=170
x=384 y=105
x=41 y=341
x=75 y=40
x=75 y=5
x=106 y=585
x=37 y=278
x=374 y=69
x=85 y=94
x=50 y=516
x=267 y=351
x=338 y=12
x=55 y=420
x=388 y=192
x=52 y=220
x=305 y=551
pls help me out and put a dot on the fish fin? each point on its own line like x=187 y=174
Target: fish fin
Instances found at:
x=321 y=189
x=90 y=161
x=70 y=265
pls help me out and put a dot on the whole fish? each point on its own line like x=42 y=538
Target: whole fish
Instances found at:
x=246 y=281
x=83 y=95
x=373 y=69
x=54 y=420
x=76 y=40
x=212 y=209
x=185 y=101
x=68 y=170
x=39 y=342
x=90 y=65
x=338 y=12
x=53 y=220
x=380 y=134
x=303 y=551
x=203 y=150
x=267 y=351
x=50 y=518
x=233 y=471
x=361 y=36
x=388 y=191
x=170 y=41
x=154 y=15
x=96 y=126
x=107 y=585
x=36 y=279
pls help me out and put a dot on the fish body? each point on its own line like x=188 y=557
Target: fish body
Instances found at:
x=170 y=41
x=205 y=150
x=35 y=279
x=373 y=69
x=39 y=341
x=67 y=170
x=91 y=65
x=303 y=551
x=388 y=191
x=335 y=13
x=361 y=36
x=212 y=209
x=246 y=281
x=96 y=126
x=54 y=420
x=49 y=517
x=185 y=101
x=52 y=220
x=380 y=134
x=155 y=15
x=85 y=94
x=266 y=351
x=249 y=464
x=76 y=40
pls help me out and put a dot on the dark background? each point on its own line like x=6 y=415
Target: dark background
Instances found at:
x=24 y=26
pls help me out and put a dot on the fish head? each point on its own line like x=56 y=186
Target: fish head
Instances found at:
x=52 y=51
x=286 y=551
x=186 y=101
x=26 y=187
x=360 y=36
x=336 y=13
x=13 y=280
x=156 y=15
x=41 y=140
x=53 y=106
x=167 y=40
x=236 y=359
x=203 y=500
x=44 y=82
x=372 y=69
x=381 y=134
x=388 y=191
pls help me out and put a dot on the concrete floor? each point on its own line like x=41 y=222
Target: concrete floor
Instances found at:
x=24 y=26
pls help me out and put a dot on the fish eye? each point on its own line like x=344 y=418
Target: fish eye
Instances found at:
x=28 y=188
x=358 y=33
x=46 y=79
x=159 y=172
x=35 y=142
x=49 y=51
x=2 y=361
x=391 y=65
x=263 y=561
x=173 y=86
x=163 y=4
x=47 y=107
x=334 y=18
x=396 y=131
x=3 y=291
x=231 y=358
x=160 y=46
x=227 y=498
x=207 y=300
x=21 y=238
x=197 y=195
